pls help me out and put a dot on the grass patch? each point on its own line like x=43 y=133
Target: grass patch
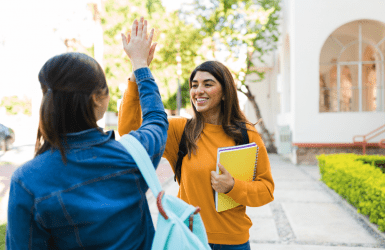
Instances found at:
x=2 y=163
x=3 y=230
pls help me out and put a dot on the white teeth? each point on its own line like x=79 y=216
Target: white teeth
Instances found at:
x=201 y=99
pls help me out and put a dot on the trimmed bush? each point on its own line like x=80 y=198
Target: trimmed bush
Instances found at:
x=360 y=180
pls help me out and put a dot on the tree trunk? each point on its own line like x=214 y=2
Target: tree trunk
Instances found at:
x=268 y=139
x=266 y=136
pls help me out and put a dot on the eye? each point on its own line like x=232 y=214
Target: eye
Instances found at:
x=208 y=85
x=194 y=85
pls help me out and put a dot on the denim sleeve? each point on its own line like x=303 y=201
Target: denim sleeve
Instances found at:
x=22 y=230
x=153 y=132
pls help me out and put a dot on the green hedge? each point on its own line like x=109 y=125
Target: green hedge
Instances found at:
x=360 y=180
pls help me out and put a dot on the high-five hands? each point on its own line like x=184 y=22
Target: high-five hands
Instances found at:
x=222 y=183
x=138 y=46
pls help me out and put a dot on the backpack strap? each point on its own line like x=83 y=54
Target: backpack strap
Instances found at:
x=183 y=151
x=143 y=161
x=245 y=136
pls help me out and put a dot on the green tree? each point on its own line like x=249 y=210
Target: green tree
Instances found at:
x=170 y=103
x=173 y=36
x=241 y=25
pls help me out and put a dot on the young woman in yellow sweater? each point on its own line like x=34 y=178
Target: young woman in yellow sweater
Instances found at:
x=216 y=123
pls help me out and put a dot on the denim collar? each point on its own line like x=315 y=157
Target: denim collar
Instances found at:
x=89 y=137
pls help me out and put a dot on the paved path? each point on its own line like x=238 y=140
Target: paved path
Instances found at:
x=305 y=215
x=9 y=162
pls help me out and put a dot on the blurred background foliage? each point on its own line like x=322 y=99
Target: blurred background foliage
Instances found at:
x=14 y=105
x=173 y=35
x=114 y=97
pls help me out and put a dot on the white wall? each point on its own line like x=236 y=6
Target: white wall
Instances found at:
x=312 y=23
x=265 y=93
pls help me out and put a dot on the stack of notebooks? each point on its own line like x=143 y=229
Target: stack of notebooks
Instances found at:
x=241 y=162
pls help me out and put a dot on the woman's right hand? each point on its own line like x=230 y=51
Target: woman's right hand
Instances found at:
x=136 y=45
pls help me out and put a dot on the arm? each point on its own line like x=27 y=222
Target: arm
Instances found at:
x=22 y=230
x=153 y=131
x=130 y=114
x=130 y=118
x=259 y=192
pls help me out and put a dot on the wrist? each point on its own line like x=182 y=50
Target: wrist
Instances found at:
x=138 y=65
x=132 y=77
x=231 y=186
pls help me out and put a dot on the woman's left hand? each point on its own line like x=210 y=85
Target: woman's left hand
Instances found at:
x=222 y=183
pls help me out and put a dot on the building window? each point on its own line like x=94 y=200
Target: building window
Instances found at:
x=352 y=68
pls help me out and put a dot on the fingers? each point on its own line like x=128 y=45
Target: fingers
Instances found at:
x=151 y=36
x=151 y=54
x=144 y=35
x=222 y=168
x=124 y=40
x=140 y=27
x=128 y=37
x=134 y=28
x=152 y=49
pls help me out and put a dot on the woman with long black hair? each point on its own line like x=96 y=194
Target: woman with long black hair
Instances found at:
x=217 y=122
x=83 y=190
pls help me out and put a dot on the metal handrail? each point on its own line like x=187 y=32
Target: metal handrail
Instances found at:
x=382 y=143
x=365 y=140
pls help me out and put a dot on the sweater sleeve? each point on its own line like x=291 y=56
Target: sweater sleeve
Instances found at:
x=130 y=119
x=153 y=129
x=130 y=114
x=260 y=191
x=174 y=135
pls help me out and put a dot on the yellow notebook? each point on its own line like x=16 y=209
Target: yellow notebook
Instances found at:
x=241 y=162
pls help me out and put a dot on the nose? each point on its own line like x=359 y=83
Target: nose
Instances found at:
x=200 y=89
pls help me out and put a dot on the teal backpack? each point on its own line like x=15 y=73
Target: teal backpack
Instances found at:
x=179 y=224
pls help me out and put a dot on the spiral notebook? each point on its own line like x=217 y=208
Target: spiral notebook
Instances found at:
x=241 y=162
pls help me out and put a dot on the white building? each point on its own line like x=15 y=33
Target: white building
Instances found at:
x=325 y=83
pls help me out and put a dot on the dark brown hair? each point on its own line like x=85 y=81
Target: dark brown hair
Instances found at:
x=68 y=82
x=233 y=117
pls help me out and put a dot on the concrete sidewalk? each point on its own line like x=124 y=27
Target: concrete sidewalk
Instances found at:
x=305 y=215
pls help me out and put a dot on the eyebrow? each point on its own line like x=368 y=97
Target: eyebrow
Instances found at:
x=206 y=80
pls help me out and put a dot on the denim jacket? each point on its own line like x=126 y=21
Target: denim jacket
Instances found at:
x=95 y=201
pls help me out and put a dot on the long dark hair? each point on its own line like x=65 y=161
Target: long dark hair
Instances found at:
x=233 y=117
x=68 y=82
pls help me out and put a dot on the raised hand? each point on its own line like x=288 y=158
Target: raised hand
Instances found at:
x=137 y=46
x=222 y=183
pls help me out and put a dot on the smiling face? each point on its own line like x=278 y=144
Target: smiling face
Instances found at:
x=206 y=95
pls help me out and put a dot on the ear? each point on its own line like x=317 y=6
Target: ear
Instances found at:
x=223 y=97
x=97 y=100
